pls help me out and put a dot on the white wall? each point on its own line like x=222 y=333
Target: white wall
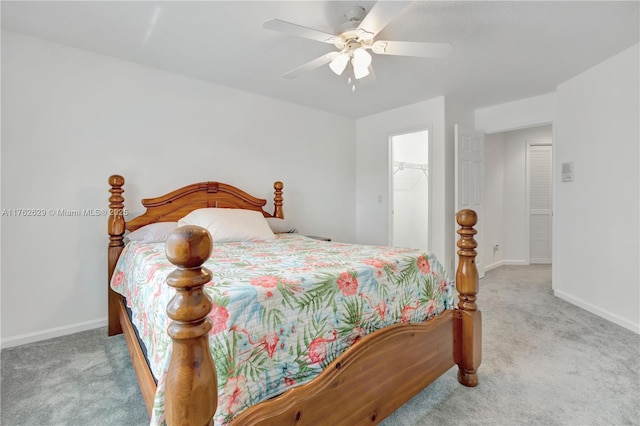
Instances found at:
x=493 y=200
x=516 y=115
x=596 y=252
x=372 y=169
x=72 y=118
x=596 y=226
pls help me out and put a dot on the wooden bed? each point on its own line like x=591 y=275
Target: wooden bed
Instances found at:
x=368 y=382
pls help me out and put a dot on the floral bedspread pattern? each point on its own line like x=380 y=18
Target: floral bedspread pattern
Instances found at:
x=282 y=310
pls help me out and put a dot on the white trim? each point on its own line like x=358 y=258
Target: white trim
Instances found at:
x=493 y=265
x=512 y=262
x=23 y=339
x=598 y=311
x=500 y=263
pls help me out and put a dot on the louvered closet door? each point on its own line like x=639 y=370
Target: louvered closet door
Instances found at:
x=540 y=180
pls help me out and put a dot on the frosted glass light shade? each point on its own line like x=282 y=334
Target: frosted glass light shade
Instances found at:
x=361 y=58
x=361 y=61
x=339 y=63
x=359 y=72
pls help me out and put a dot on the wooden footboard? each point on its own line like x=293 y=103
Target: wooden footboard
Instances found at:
x=369 y=381
x=365 y=384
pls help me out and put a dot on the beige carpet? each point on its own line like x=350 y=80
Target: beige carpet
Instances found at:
x=545 y=362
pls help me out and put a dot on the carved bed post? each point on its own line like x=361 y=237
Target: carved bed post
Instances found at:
x=468 y=349
x=277 y=200
x=116 y=244
x=191 y=387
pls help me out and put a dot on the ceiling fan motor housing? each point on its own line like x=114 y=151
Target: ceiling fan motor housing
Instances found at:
x=353 y=17
x=355 y=13
x=349 y=36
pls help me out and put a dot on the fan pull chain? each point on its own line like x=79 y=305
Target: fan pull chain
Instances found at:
x=349 y=83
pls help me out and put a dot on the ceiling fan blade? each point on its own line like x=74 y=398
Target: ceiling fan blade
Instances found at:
x=311 y=65
x=379 y=16
x=411 y=48
x=300 y=31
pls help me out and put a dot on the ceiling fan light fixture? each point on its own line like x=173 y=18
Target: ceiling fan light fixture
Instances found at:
x=356 y=36
x=339 y=63
x=361 y=61
x=360 y=72
x=361 y=58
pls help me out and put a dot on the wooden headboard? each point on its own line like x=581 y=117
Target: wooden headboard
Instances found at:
x=173 y=206
x=177 y=204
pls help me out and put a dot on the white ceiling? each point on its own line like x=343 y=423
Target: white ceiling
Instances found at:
x=502 y=51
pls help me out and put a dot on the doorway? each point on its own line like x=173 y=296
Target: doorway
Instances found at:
x=410 y=190
x=509 y=228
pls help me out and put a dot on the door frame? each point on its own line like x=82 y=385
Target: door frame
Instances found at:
x=479 y=237
x=390 y=189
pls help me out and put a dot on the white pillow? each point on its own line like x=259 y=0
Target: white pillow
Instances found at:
x=152 y=233
x=227 y=225
x=280 y=226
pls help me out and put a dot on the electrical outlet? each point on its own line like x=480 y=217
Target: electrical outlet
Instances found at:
x=496 y=247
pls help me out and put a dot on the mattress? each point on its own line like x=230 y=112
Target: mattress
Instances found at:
x=282 y=309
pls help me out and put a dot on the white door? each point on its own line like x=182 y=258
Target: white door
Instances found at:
x=539 y=199
x=469 y=179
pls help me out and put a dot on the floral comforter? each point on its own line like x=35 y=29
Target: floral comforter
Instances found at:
x=282 y=310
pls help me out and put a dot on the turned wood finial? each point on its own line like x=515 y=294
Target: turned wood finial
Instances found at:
x=467 y=275
x=189 y=247
x=115 y=228
x=116 y=209
x=191 y=387
x=277 y=200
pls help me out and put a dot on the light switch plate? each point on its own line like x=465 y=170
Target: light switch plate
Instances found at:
x=567 y=172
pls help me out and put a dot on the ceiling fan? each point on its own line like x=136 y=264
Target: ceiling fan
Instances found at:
x=355 y=38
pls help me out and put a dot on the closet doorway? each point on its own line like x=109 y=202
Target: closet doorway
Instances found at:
x=410 y=190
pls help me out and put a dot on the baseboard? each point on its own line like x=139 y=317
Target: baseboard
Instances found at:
x=507 y=262
x=23 y=339
x=598 y=311
x=493 y=265
x=515 y=262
